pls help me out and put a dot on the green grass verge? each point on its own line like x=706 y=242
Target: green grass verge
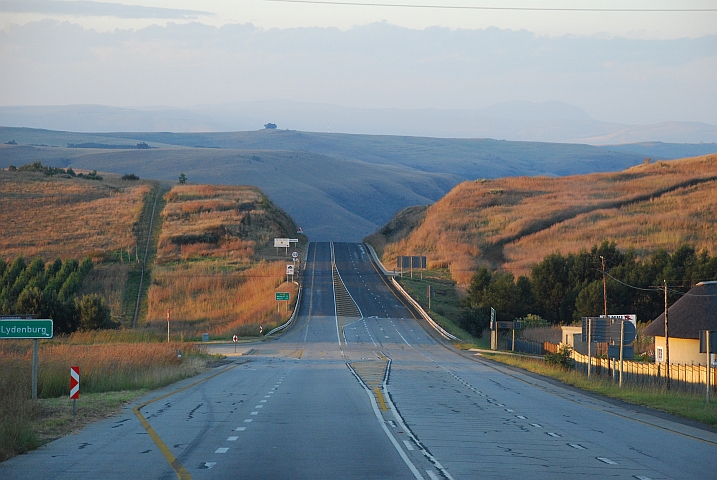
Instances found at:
x=54 y=419
x=691 y=406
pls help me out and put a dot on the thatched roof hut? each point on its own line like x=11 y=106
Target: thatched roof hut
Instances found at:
x=695 y=311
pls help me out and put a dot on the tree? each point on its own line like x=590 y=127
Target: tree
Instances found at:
x=270 y=126
x=551 y=286
x=30 y=301
x=93 y=312
x=182 y=178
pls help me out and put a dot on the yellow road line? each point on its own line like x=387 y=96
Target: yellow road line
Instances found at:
x=182 y=473
x=379 y=398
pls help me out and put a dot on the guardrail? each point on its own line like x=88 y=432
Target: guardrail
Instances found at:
x=426 y=317
x=416 y=305
x=291 y=318
x=373 y=254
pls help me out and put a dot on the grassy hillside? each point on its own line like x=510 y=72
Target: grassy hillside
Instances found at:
x=215 y=266
x=216 y=269
x=52 y=216
x=513 y=223
x=336 y=186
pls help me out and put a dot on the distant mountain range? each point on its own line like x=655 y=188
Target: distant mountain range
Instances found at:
x=518 y=121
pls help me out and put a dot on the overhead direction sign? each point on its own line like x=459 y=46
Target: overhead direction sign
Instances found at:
x=16 y=328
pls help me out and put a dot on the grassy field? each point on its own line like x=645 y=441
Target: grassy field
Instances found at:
x=54 y=217
x=684 y=405
x=513 y=223
x=114 y=368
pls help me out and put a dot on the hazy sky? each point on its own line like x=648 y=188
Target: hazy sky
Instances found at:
x=629 y=67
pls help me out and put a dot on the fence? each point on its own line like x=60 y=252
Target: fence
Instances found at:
x=532 y=347
x=683 y=378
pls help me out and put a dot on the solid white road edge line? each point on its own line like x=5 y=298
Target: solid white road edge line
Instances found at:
x=388 y=433
x=399 y=419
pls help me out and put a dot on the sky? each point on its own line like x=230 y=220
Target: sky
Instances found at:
x=617 y=61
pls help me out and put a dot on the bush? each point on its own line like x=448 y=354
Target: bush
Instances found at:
x=130 y=176
x=561 y=358
x=94 y=313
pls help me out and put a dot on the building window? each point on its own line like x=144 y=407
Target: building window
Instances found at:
x=659 y=354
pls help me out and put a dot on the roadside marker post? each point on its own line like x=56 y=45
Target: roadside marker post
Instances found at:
x=74 y=387
x=167 y=325
x=234 y=339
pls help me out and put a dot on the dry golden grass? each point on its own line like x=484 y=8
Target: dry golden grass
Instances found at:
x=208 y=272
x=215 y=221
x=513 y=223
x=51 y=217
x=103 y=367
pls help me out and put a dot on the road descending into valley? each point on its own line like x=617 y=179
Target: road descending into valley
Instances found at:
x=358 y=388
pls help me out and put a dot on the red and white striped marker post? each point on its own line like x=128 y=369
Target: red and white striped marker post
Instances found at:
x=74 y=387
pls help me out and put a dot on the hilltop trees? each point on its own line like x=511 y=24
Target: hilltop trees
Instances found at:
x=564 y=288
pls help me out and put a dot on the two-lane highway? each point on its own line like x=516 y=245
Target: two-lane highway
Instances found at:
x=361 y=389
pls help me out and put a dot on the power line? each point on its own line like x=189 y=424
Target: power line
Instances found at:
x=488 y=8
x=658 y=289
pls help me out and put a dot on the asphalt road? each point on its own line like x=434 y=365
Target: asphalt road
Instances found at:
x=358 y=388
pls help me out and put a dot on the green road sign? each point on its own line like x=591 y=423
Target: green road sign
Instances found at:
x=282 y=296
x=26 y=329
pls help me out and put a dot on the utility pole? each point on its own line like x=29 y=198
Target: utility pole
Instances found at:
x=604 y=286
x=667 y=341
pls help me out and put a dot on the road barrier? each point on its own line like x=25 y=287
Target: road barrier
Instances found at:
x=414 y=304
x=291 y=319
x=426 y=317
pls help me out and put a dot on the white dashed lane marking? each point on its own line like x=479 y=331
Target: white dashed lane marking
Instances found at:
x=606 y=460
x=232 y=439
x=222 y=450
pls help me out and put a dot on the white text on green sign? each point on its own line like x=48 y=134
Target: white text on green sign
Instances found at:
x=282 y=296
x=26 y=328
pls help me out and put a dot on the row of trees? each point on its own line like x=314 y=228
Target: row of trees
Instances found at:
x=48 y=170
x=51 y=291
x=564 y=288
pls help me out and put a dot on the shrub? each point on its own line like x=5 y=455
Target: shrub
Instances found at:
x=561 y=357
